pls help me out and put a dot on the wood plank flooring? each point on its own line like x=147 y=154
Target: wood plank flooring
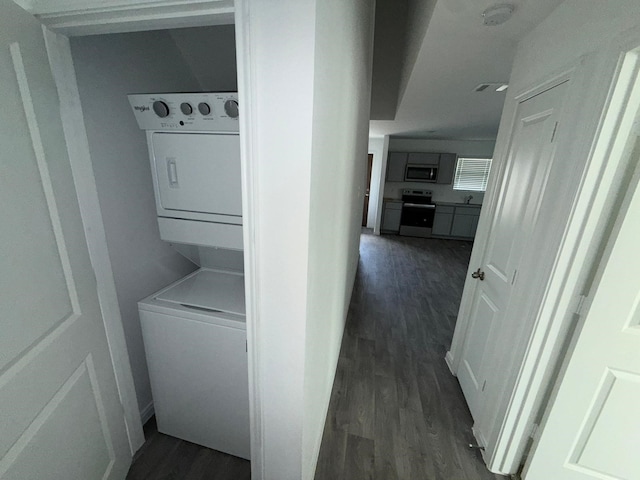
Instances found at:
x=167 y=458
x=396 y=412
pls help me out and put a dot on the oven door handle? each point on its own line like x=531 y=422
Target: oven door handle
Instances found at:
x=418 y=205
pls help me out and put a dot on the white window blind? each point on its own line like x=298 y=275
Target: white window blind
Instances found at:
x=472 y=174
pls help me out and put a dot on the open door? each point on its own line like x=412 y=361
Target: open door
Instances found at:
x=529 y=163
x=592 y=429
x=61 y=413
x=365 y=211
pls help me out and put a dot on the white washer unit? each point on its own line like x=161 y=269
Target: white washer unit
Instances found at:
x=194 y=334
x=194 y=330
x=194 y=148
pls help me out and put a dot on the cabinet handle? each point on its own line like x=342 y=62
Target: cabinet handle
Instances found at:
x=172 y=172
x=478 y=274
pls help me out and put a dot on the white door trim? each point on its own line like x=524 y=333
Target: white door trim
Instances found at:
x=250 y=163
x=177 y=14
x=75 y=134
x=116 y=16
x=582 y=235
x=592 y=208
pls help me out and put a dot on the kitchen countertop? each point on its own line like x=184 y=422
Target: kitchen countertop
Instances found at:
x=459 y=204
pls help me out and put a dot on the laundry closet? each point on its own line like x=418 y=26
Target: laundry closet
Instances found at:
x=157 y=105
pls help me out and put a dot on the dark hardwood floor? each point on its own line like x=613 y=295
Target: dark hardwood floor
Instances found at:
x=396 y=412
x=167 y=458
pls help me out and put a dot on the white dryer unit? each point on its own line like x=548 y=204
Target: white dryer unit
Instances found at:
x=194 y=334
x=194 y=147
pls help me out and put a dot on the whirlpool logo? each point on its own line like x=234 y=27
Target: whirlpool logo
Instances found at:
x=141 y=108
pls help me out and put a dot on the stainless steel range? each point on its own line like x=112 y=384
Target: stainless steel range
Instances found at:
x=418 y=212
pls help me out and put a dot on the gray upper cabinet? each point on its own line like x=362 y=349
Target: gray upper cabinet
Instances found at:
x=446 y=167
x=396 y=166
x=420 y=158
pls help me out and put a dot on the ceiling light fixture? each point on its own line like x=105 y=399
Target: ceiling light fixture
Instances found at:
x=498 y=14
x=502 y=87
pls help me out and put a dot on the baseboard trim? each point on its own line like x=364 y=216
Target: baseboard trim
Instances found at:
x=448 y=358
x=147 y=412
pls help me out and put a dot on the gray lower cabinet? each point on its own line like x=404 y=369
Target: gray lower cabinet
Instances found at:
x=391 y=214
x=442 y=220
x=456 y=221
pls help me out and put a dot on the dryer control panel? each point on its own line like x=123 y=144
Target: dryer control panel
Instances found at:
x=174 y=112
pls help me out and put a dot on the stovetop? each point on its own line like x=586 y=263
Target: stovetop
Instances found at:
x=423 y=197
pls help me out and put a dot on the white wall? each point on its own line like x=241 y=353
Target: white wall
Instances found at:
x=343 y=62
x=548 y=48
x=303 y=168
x=275 y=86
x=441 y=193
x=571 y=37
x=108 y=67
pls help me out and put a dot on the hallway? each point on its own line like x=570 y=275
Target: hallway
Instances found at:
x=396 y=412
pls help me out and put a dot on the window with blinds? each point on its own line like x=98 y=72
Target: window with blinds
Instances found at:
x=472 y=174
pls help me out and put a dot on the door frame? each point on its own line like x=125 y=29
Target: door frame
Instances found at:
x=140 y=16
x=365 y=211
x=610 y=147
x=567 y=286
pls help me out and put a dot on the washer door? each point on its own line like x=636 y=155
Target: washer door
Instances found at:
x=197 y=172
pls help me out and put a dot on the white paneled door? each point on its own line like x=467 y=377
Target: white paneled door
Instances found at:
x=592 y=430
x=531 y=154
x=60 y=414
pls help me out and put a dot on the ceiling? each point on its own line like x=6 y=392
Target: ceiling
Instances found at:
x=455 y=53
x=429 y=55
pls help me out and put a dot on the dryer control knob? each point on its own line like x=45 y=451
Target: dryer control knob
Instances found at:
x=231 y=108
x=161 y=109
x=204 y=108
x=186 y=108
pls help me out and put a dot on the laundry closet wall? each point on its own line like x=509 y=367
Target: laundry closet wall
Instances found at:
x=108 y=67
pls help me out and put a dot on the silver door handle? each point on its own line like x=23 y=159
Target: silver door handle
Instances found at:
x=419 y=205
x=478 y=274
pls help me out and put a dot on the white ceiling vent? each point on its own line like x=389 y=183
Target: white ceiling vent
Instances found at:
x=498 y=14
x=493 y=86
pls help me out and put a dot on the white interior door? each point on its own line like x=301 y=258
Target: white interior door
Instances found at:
x=592 y=430
x=528 y=165
x=61 y=415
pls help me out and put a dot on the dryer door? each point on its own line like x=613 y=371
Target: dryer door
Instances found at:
x=197 y=173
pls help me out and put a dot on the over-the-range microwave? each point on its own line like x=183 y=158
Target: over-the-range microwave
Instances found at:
x=420 y=173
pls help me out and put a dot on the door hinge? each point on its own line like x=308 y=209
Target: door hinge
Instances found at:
x=246 y=346
x=515 y=274
x=534 y=430
x=553 y=135
x=580 y=306
x=484 y=385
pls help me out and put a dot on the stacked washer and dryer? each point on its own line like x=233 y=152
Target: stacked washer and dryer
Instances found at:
x=194 y=330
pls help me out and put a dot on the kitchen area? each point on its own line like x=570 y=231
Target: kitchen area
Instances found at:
x=435 y=188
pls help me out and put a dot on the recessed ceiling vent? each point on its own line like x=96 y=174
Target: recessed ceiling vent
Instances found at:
x=493 y=86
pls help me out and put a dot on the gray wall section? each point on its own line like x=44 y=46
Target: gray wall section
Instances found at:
x=108 y=67
x=210 y=53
